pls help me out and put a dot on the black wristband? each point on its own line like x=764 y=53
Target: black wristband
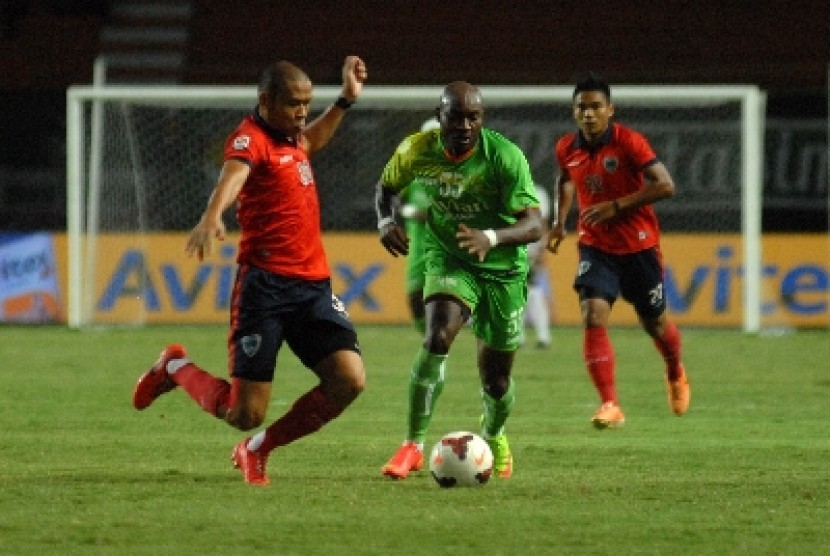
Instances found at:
x=343 y=103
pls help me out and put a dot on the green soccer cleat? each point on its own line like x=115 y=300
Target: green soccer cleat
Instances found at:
x=502 y=456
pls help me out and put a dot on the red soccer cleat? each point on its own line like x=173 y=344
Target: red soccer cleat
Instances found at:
x=252 y=464
x=156 y=381
x=407 y=458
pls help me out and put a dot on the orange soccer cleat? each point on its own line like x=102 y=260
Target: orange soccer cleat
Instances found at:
x=679 y=393
x=156 y=381
x=252 y=464
x=608 y=416
x=407 y=458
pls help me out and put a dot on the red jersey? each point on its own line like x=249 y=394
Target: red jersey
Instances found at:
x=606 y=171
x=277 y=207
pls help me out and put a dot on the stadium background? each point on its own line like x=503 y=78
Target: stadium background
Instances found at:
x=47 y=46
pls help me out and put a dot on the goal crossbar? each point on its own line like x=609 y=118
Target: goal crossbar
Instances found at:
x=82 y=151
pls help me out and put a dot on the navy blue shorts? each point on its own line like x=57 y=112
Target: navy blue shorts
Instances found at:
x=638 y=277
x=268 y=309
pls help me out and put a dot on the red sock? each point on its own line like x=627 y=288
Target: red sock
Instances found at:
x=599 y=358
x=211 y=393
x=669 y=347
x=308 y=414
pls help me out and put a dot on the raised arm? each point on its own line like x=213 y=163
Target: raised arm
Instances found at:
x=318 y=133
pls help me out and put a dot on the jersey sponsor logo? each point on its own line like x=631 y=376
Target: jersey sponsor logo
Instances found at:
x=250 y=344
x=285 y=159
x=447 y=281
x=241 y=143
x=610 y=163
x=451 y=184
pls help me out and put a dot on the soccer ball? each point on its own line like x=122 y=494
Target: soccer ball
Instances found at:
x=461 y=459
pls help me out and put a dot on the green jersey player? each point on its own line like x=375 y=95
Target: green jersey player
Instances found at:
x=482 y=213
x=413 y=209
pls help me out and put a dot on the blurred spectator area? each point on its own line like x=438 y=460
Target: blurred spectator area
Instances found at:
x=774 y=44
x=48 y=45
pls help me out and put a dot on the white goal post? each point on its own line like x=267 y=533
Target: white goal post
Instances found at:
x=132 y=152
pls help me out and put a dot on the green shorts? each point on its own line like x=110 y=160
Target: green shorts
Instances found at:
x=415 y=266
x=497 y=304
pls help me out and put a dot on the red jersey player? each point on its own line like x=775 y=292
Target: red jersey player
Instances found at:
x=616 y=177
x=282 y=291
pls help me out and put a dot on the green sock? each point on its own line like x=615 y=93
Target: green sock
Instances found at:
x=496 y=411
x=426 y=381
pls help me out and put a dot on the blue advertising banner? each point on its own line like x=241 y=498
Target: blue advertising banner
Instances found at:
x=29 y=281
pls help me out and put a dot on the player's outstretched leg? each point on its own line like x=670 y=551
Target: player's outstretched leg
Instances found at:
x=157 y=381
x=426 y=382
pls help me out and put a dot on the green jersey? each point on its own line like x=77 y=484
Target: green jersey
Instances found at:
x=482 y=189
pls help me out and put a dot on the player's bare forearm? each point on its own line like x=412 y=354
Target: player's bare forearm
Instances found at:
x=319 y=132
x=565 y=196
x=555 y=237
x=231 y=179
x=210 y=225
x=658 y=185
x=564 y=199
x=527 y=229
x=386 y=199
x=392 y=235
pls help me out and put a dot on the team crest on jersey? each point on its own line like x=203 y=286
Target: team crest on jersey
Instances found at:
x=241 y=142
x=594 y=183
x=250 y=344
x=610 y=163
x=306 y=175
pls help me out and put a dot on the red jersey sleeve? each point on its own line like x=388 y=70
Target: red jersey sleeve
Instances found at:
x=241 y=145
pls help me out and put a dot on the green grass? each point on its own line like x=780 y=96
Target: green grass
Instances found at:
x=744 y=472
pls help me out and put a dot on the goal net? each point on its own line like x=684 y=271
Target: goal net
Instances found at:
x=143 y=160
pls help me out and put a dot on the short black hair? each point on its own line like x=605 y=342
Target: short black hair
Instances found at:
x=593 y=82
x=274 y=79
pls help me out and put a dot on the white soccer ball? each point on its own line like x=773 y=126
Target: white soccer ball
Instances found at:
x=461 y=459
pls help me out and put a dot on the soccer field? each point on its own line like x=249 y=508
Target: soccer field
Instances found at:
x=744 y=472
